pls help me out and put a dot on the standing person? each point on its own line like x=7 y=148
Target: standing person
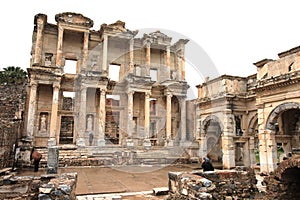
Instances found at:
x=206 y=165
x=35 y=158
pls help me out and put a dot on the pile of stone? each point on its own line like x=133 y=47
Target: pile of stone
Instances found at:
x=51 y=186
x=221 y=184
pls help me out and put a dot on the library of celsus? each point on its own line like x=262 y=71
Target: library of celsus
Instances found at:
x=107 y=90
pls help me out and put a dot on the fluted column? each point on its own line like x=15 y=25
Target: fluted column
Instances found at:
x=131 y=55
x=39 y=40
x=54 y=109
x=31 y=109
x=102 y=115
x=59 y=46
x=148 y=58
x=104 y=58
x=169 y=116
x=85 y=49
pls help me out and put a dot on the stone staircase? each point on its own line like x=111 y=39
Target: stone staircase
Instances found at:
x=115 y=155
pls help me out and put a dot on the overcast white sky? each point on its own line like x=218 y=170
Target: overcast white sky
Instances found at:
x=233 y=33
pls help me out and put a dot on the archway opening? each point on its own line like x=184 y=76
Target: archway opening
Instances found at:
x=287 y=132
x=214 y=141
x=291 y=183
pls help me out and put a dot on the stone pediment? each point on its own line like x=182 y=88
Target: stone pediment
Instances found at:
x=158 y=37
x=117 y=27
x=74 y=19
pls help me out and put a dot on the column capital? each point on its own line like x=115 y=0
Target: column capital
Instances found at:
x=103 y=90
x=130 y=92
x=33 y=83
x=147 y=43
x=56 y=85
x=148 y=94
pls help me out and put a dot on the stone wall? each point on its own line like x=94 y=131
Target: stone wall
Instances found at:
x=38 y=187
x=284 y=182
x=223 y=184
x=12 y=103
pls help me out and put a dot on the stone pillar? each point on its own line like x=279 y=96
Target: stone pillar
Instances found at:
x=228 y=152
x=182 y=64
x=168 y=62
x=271 y=150
x=80 y=140
x=104 y=58
x=252 y=151
x=179 y=65
x=85 y=50
x=169 y=119
x=182 y=120
x=52 y=161
x=54 y=110
x=148 y=58
x=202 y=146
x=147 y=143
x=130 y=118
x=246 y=154
x=59 y=46
x=31 y=109
x=39 y=39
x=228 y=146
x=102 y=115
x=131 y=55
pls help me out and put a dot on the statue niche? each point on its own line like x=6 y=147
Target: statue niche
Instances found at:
x=43 y=122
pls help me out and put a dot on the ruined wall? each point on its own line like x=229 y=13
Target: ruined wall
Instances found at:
x=51 y=186
x=223 y=184
x=283 y=183
x=12 y=103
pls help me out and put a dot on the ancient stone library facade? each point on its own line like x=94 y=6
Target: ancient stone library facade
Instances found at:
x=109 y=89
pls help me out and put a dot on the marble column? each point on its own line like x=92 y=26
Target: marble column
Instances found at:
x=31 y=109
x=131 y=55
x=183 y=120
x=85 y=50
x=80 y=139
x=169 y=118
x=102 y=115
x=54 y=111
x=104 y=58
x=182 y=64
x=130 y=112
x=179 y=66
x=39 y=40
x=148 y=58
x=147 y=143
x=168 y=62
x=59 y=46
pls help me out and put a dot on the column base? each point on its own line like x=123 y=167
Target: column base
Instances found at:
x=129 y=143
x=101 y=142
x=80 y=142
x=147 y=144
x=185 y=143
x=51 y=142
x=169 y=143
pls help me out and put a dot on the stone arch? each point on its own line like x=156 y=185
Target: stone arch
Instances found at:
x=252 y=124
x=209 y=118
x=287 y=164
x=273 y=116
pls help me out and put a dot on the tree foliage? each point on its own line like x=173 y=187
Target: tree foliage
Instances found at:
x=12 y=75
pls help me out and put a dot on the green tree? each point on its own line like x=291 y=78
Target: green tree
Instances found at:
x=12 y=75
